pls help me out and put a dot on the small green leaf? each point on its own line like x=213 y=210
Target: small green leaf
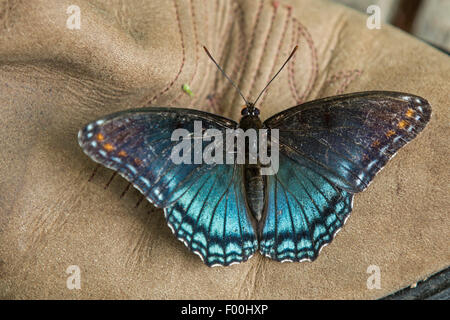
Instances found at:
x=187 y=89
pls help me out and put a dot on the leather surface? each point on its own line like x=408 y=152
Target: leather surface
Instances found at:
x=57 y=209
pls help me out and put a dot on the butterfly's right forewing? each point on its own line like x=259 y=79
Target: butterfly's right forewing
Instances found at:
x=349 y=138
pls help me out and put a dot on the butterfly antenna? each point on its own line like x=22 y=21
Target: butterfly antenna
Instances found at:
x=223 y=72
x=276 y=74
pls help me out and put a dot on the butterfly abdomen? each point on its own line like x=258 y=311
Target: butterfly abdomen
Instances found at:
x=253 y=180
x=254 y=189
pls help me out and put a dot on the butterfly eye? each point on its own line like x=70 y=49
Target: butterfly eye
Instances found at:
x=256 y=112
x=244 y=112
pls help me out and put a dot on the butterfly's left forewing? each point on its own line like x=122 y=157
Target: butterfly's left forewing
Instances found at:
x=203 y=203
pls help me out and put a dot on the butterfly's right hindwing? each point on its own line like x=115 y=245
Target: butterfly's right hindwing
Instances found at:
x=305 y=211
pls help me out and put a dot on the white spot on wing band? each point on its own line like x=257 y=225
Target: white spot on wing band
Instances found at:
x=116 y=159
x=145 y=181
x=132 y=169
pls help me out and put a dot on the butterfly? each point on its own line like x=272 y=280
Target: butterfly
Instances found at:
x=329 y=149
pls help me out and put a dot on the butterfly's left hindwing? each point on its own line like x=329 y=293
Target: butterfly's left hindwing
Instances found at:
x=211 y=218
x=204 y=204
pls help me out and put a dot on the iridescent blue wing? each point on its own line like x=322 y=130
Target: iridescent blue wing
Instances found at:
x=203 y=203
x=349 y=138
x=329 y=149
x=212 y=219
x=304 y=212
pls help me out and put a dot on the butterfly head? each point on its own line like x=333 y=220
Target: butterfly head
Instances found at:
x=250 y=110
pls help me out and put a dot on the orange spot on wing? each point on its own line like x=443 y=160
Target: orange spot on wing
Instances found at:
x=108 y=147
x=122 y=153
x=410 y=113
x=402 y=124
x=390 y=133
x=100 y=137
x=375 y=144
x=138 y=161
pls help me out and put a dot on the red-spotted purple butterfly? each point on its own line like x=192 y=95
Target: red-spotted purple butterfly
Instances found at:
x=329 y=149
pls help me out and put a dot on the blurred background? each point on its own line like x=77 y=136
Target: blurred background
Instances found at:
x=428 y=20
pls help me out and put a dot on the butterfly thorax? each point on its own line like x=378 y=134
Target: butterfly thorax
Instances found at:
x=254 y=182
